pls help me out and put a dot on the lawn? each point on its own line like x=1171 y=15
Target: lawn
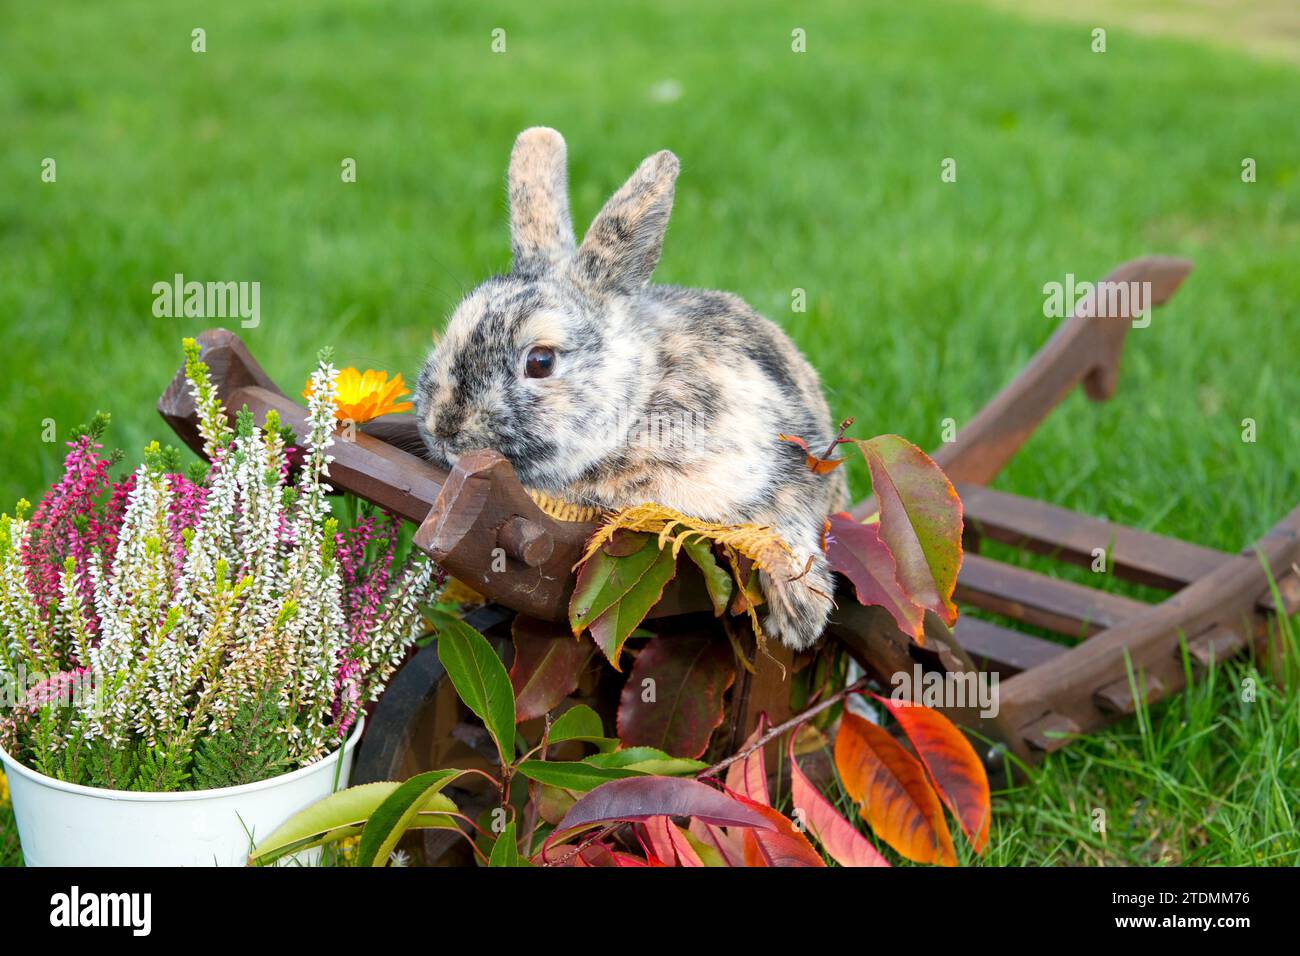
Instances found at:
x=817 y=171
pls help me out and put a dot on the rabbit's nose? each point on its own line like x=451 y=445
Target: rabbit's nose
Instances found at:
x=446 y=427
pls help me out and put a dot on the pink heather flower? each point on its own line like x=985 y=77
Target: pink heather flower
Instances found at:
x=64 y=523
x=347 y=703
x=58 y=689
x=365 y=582
x=187 y=504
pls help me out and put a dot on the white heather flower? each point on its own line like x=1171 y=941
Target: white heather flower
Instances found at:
x=253 y=603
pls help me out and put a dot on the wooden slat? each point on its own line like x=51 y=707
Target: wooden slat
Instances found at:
x=1068 y=684
x=1288 y=587
x=1140 y=556
x=1061 y=606
x=1117 y=697
x=1050 y=732
x=1002 y=649
x=1214 y=646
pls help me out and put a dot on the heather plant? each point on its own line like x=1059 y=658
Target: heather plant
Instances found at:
x=177 y=631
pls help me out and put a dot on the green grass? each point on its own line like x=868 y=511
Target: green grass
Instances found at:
x=817 y=171
x=9 y=852
x=1210 y=778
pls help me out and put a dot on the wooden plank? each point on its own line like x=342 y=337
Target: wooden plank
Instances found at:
x=1068 y=684
x=1050 y=732
x=1117 y=697
x=1288 y=588
x=1061 y=606
x=1214 y=646
x=1139 y=556
x=1002 y=649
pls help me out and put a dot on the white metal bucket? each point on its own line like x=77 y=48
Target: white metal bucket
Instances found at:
x=63 y=824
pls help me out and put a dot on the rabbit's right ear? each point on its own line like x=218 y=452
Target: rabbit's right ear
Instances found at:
x=541 y=232
x=621 y=249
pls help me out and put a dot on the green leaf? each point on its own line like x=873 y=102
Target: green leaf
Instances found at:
x=614 y=592
x=632 y=588
x=481 y=681
x=394 y=816
x=505 y=852
x=582 y=723
x=572 y=776
x=647 y=760
x=341 y=815
x=717 y=579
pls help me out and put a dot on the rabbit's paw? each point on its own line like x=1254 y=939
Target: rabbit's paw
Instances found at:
x=798 y=607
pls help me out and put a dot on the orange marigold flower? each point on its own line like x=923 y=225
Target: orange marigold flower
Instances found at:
x=362 y=397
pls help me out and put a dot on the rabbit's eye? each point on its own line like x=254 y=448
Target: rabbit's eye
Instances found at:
x=540 y=362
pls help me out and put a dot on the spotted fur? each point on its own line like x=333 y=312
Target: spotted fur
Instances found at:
x=659 y=393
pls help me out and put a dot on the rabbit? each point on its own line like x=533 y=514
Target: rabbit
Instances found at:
x=601 y=388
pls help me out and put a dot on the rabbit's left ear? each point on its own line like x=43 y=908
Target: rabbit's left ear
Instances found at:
x=621 y=249
x=541 y=233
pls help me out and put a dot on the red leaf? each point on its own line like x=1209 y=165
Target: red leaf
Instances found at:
x=895 y=794
x=857 y=551
x=548 y=662
x=728 y=845
x=637 y=799
x=920 y=521
x=955 y=768
x=628 y=859
x=690 y=673
x=669 y=844
x=782 y=845
x=748 y=777
x=837 y=836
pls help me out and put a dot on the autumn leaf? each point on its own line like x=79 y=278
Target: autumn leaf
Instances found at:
x=759 y=543
x=920 y=521
x=892 y=788
x=636 y=799
x=857 y=551
x=717 y=579
x=727 y=845
x=548 y=663
x=690 y=675
x=669 y=844
x=841 y=840
x=748 y=776
x=817 y=464
x=958 y=775
x=780 y=845
x=821 y=464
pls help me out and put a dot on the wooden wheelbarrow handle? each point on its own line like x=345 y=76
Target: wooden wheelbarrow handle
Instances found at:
x=477 y=521
x=1084 y=350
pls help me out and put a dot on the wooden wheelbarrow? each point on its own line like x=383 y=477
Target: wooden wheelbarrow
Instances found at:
x=471 y=518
